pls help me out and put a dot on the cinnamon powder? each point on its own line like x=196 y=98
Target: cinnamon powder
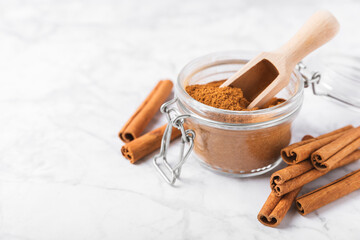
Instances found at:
x=229 y=98
x=238 y=151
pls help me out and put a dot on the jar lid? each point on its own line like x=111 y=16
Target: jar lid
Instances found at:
x=336 y=76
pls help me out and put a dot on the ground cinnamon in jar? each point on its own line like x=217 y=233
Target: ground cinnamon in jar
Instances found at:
x=229 y=98
x=232 y=150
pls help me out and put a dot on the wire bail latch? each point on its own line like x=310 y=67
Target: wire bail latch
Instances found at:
x=175 y=119
x=313 y=79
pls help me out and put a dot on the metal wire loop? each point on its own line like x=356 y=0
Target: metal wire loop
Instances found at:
x=175 y=119
x=313 y=79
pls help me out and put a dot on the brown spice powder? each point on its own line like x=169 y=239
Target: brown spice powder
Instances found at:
x=236 y=150
x=229 y=98
x=239 y=151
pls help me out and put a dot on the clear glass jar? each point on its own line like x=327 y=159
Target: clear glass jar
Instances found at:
x=245 y=143
x=239 y=143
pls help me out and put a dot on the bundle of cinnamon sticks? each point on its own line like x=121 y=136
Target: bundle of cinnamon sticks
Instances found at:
x=308 y=160
x=136 y=145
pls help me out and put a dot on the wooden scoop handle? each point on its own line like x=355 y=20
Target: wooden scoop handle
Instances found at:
x=318 y=30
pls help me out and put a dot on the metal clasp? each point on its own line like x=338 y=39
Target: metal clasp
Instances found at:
x=313 y=79
x=310 y=78
x=175 y=119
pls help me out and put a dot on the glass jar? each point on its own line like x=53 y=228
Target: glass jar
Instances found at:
x=236 y=143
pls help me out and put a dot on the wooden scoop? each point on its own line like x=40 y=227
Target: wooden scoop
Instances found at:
x=269 y=72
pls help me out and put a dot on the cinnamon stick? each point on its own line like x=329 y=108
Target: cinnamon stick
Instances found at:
x=275 y=208
x=291 y=171
x=307 y=176
x=300 y=151
x=146 y=144
x=328 y=193
x=323 y=166
x=141 y=118
x=329 y=154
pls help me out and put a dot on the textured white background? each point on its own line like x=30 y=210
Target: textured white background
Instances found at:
x=71 y=74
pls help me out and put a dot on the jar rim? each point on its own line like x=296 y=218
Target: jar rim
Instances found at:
x=183 y=92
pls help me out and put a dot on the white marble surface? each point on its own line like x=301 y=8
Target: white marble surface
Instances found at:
x=72 y=72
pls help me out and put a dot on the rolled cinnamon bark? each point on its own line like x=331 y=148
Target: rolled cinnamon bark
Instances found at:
x=336 y=150
x=146 y=144
x=145 y=112
x=275 y=208
x=307 y=137
x=305 y=177
x=291 y=171
x=300 y=151
x=328 y=193
x=324 y=166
